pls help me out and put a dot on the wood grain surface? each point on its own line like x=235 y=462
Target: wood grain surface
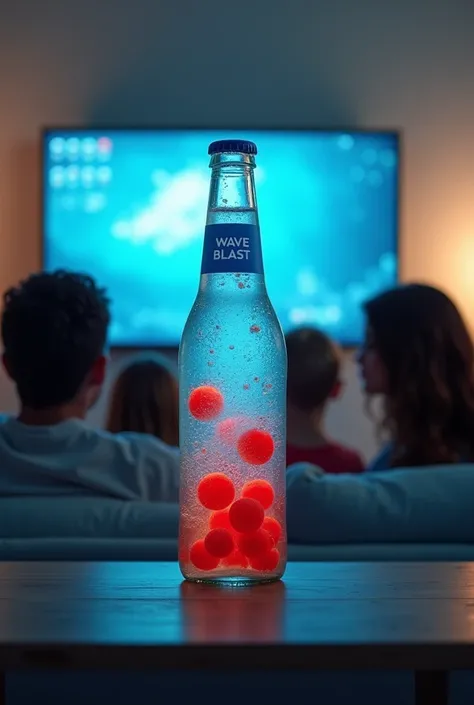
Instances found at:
x=142 y=615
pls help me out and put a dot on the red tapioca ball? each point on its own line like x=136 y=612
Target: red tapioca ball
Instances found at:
x=216 y=491
x=261 y=490
x=201 y=558
x=273 y=527
x=220 y=520
x=236 y=559
x=266 y=561
x=255 y=543
x=246 y=515
x=255 y=447
x=205 y=403
x=219 y=543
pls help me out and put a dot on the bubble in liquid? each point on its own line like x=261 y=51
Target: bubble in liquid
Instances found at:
x=216 y=491
x=255 y=447
x=273 y=527
x=231 y=347
x=211 y=352
x=266 y=561
x=229 y=429
x=205 y=403
x=246 y=515
x=201 y=558
x=214 y=461
x=261 y=491
x=255 y=329
x=256 y=543
x=219 y=543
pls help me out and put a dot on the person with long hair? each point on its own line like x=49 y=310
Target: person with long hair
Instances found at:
x=418 y=355
x=144 y=399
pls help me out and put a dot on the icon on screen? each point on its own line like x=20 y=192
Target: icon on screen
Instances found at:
x=56 y=147
x=56 y=177
x=87 y=175
x=72 y=175
x=104 y=174
x=72 y=147
x=104 y=147
x=89 y=147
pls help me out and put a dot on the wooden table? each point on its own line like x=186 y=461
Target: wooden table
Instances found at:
x=416 y=616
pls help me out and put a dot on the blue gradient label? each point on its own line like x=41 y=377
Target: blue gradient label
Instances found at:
x=232 y=247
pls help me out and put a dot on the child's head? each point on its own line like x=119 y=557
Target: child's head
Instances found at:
x=144 y=399
x=314 y=365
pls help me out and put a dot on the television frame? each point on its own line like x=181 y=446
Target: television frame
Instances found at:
x=48 y=129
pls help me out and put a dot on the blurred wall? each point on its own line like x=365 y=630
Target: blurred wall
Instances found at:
x=369 y=63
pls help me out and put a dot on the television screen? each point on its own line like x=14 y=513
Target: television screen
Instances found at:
x=129 y=207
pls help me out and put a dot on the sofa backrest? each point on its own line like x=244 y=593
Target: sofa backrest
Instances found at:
x=412 y=505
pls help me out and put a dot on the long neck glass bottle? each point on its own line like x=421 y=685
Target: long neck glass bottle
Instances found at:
x=232 y=394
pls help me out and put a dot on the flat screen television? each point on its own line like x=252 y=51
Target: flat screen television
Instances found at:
x=128 y=206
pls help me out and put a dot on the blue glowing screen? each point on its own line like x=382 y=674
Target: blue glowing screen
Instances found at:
x=129 y=207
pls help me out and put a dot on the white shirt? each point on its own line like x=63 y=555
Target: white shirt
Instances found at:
x=72 y=458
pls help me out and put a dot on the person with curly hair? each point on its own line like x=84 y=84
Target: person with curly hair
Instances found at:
x=54 y=332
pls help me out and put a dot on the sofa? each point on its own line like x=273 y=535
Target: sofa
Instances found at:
x=405 y=515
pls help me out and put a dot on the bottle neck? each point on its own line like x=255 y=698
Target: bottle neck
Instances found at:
x=232 y=238
x=232 y=196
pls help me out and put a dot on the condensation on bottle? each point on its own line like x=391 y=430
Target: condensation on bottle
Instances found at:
x=232 y=367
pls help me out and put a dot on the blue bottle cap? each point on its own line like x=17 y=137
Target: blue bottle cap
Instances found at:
x=241 y=146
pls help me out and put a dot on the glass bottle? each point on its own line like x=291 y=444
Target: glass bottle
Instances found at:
x=232 y=367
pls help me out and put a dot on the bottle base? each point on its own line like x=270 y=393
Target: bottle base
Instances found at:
x=235 y=580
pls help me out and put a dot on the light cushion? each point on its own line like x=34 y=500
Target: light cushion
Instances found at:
x=86 y=517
